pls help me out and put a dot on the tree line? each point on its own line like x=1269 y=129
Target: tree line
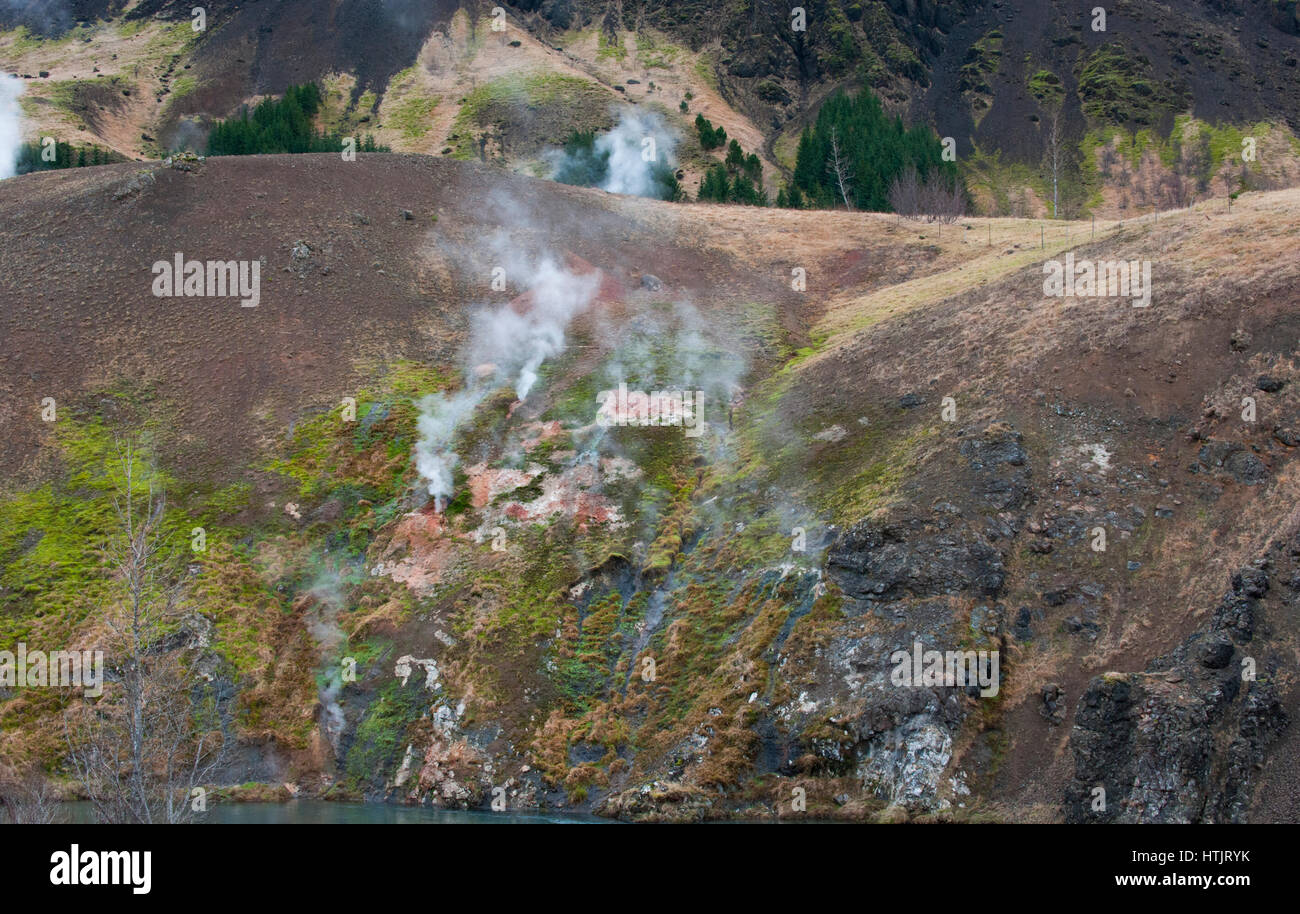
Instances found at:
x=36 y=156
x=280 y=125
x=737 y=179
x=855 y=154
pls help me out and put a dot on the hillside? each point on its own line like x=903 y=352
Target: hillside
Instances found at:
x=834 y=507
x=1152 y=109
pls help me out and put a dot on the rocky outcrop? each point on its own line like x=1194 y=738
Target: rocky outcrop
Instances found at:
x=888 y=561
x=1181 y=741
x=659 y=801
x=1227 y=460
x=915 y=575
x=945 y=553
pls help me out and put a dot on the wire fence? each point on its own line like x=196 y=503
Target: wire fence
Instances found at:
x=991 y=231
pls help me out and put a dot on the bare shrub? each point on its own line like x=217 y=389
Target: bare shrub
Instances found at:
x=28 y=799
x=937 y=199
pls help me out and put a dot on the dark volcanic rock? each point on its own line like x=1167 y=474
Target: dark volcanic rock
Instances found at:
x=1023 y=629
x=1216 y=652
x=886 y=561
x=1253 y=582
x=1226 y=458
x=1180 y=742
x=1053 y=707
x=1246 y=468
x=999 y=464
x=1288 y=436
x=991 y=451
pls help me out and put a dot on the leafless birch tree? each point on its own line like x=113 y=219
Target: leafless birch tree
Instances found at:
x=838 y=166
x=155 y=736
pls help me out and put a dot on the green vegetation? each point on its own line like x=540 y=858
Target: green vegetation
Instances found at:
x=982 y=60
x=183 y=87
x=888 y=51
x=538 y=99
x=872 y=150
x=279 y=126
x=710 y=137
x=610 y=47
x=651 y=53
x=35 y=157
x=1046 y=86
x=1004 y=181
x=1194 y=152
x=381 y=735
x=76 y=99
x=1116 y=86
x=362 y=462
x=737 y=180
x=52 y=571
x=412 y=115
x=604 y=631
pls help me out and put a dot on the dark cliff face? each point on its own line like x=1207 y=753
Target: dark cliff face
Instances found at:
x=951 y=552
x=1183 y=741
x=969 y=67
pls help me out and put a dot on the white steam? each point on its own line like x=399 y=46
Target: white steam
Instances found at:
x=324 y=630
x=639 y=148
x=681 y=349
x=516 y=342
x=11 y=132
x=507 y=347
x=440 y=416
x=635 y=158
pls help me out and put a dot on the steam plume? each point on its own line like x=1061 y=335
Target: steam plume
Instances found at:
x=11 y=134
x=508 y=345
x=637 y=158
x=629 y=170
x=324 y=630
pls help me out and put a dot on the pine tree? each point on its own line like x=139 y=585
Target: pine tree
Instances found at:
x=715 y=186
x=735 y=156
x=278 y=126
x=853 y=136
